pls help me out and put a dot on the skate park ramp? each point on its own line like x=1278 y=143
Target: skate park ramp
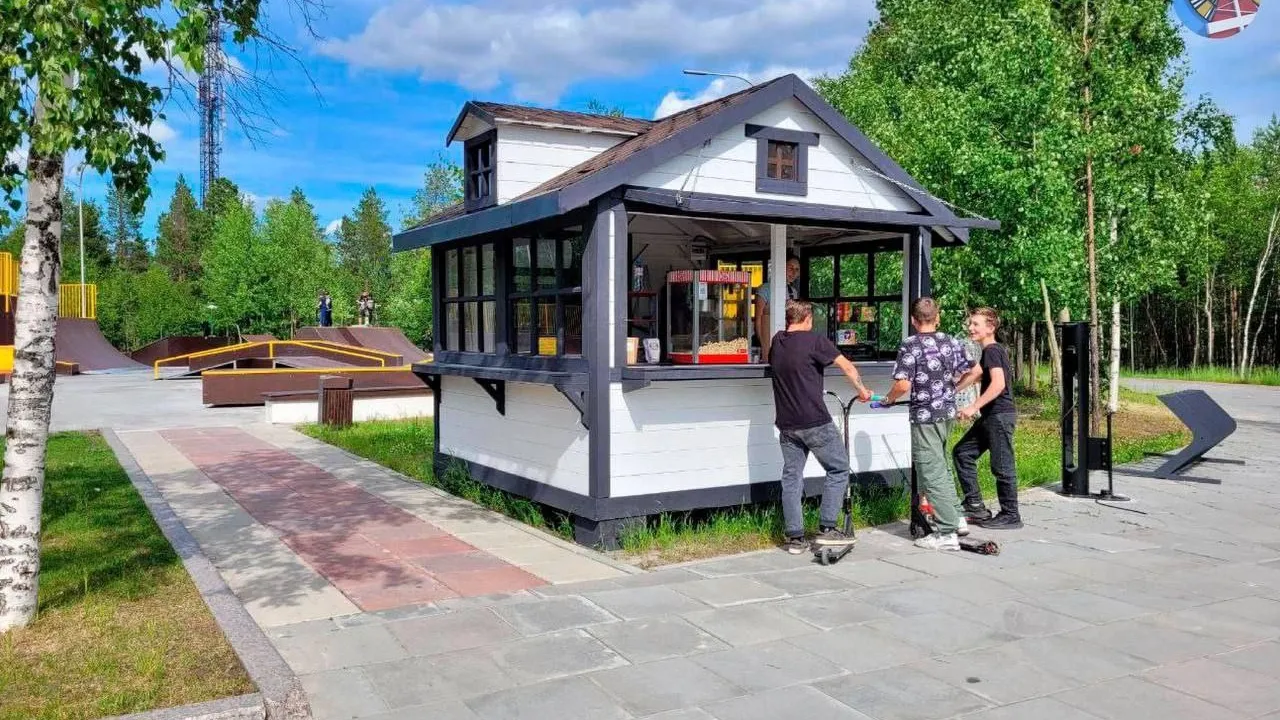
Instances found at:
x=328 y=334
x=80 y=341
x=387 y=340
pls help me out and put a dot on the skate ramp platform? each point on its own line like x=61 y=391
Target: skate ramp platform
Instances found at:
x=387 y=340
x=80 y=341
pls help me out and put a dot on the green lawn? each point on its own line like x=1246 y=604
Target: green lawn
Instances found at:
x=1258 y=376
x=121 y=627
x=1141 y=426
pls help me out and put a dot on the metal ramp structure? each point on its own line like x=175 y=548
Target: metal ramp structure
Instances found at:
x=1209 y=425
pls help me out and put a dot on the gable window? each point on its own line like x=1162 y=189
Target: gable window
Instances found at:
x=782 y=159
x=479 y=166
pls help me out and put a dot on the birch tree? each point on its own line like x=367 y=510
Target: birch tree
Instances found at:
x=101 y=114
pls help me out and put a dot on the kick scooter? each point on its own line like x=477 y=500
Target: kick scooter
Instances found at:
x=831 y=554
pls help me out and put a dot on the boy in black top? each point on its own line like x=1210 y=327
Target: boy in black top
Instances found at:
x=991 y=432
x=798 y=358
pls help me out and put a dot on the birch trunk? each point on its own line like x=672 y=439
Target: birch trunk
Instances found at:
x=1114 y=403
x=1257 y=334
x=1033 y=374
x=1233 y=328
x=1208 y=317
x=1055 y=360
x=1253 y=297
x=30 y=391
x=1195 y=341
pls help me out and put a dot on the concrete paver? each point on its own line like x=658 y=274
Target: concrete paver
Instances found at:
x=1089 y=613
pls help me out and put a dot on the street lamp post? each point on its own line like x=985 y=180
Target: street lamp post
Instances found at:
x=83 y=300
x=719 y=74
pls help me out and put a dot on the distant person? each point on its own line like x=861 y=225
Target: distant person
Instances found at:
x=365 y=305
x=929 y=366
x=799 y=359
x=762 y=298
x=991 y=432
x=324 y=309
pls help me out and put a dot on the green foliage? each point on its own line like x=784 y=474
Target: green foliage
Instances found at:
x=84 y=61
x=231 y=280
x=293 y=261
x=124 y=232
x=408 y=305
x=182 y=233
x=441 y=187
x=364 y=247
x=137 y=308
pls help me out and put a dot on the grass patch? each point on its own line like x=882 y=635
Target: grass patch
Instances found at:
x=1142 y=425
x=121 y=627
x=406 y=445
x=1257 y=376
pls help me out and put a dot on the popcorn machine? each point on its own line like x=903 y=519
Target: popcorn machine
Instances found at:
x=709 y=316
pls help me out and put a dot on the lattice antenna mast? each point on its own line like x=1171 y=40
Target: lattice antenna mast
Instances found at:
x=212 y=104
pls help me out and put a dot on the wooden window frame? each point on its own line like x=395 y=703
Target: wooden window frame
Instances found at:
x=868 y=296
x=534 y=295
x=465 y=303
x=800 y=140
x=470 y=171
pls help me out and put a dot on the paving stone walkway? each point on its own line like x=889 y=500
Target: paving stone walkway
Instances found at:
x=1089 y=613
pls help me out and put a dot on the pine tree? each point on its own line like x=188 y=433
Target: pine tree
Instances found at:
x=124 y=229
x=364 y=245
x=180 y=241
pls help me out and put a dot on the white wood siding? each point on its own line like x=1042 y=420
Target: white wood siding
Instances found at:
x=727 y=166
x=701 y=434
x=540 y=438
x=530 y=156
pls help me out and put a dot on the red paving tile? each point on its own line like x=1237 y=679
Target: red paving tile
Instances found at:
x=487 y=582
x=378 y=555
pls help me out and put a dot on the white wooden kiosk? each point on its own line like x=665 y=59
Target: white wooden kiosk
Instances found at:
x=533 y=303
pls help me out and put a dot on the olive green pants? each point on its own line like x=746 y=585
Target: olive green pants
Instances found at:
x=933 y=472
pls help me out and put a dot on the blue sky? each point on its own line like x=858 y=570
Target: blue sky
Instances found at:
x=389 y=78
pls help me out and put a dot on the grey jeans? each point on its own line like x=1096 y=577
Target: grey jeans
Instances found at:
x=827 y=445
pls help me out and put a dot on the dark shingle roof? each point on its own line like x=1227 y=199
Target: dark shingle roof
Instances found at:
x=524 y=114
x=658 y=131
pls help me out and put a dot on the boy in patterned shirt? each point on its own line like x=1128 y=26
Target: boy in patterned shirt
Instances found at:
x=932 y=366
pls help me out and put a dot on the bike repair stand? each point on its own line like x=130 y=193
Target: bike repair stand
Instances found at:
x=1081 y=453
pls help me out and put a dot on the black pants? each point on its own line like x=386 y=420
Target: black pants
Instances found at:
x=992 y=434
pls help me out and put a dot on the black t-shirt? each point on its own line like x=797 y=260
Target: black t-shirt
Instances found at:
x=798 y=360
x=994 y=356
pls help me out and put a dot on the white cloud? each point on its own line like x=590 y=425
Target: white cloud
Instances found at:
x=333 y=226
x=539 y=50
x=674 y=101
x=162 y=132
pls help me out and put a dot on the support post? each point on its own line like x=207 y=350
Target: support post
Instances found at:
x=918 y=266
x=609 y=219
x=777 y=279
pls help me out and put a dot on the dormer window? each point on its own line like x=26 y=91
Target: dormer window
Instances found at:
x=479 y=164
x=782 y=159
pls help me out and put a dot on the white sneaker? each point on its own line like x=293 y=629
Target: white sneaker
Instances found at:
x=938 y=541
x=963 y=529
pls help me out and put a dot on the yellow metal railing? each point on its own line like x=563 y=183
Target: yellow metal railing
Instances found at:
x=364 y=353
x=78 y=301
x=70 y=295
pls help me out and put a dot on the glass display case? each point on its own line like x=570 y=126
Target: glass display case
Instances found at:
x=708 y=316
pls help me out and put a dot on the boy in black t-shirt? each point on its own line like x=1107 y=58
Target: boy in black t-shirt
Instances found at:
x=798 y=360
x=991 y=432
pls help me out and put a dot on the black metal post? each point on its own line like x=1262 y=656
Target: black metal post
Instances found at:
x=1075 y=408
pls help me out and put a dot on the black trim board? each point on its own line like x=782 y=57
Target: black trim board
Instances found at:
x=781 y=134
x=642 y=505
x=783 y=212
x=507 y=374
x=498 y=218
